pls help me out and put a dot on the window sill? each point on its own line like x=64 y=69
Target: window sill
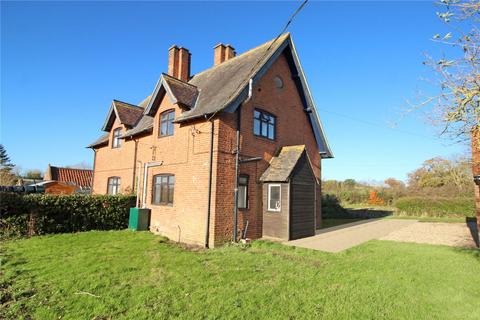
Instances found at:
x=162 y=205
x=265 y=138
x=272 y=211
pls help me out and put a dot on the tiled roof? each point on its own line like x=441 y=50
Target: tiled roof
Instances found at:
x=221 y=84
x=184 y=93
x=100 y=141
x=129 y=114
x=224 y=87
x=79 y=177
x=281 y=166
x=144 y=125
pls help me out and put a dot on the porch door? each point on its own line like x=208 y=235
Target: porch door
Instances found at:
x=302 y=210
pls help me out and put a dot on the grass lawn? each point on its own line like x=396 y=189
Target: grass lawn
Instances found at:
x=127 y=275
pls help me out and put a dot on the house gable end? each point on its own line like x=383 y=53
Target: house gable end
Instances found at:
x=288 y=49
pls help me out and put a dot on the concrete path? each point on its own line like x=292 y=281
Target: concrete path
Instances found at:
x=342 y=237
x=345 y=236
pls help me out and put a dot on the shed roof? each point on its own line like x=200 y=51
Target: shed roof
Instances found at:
x=281 y=166
x=79 y=177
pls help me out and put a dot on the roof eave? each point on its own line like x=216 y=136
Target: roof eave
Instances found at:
x=107 y=125
x=326 y=153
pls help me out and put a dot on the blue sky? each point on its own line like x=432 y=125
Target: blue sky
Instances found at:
x=63 y=62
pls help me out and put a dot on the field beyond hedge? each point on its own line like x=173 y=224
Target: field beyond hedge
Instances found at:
x=128 y=275
x=436 y=207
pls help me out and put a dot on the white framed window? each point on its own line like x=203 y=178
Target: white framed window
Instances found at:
x=117 y=142
x=243 y=191
x=274 y=197
x=113 y=185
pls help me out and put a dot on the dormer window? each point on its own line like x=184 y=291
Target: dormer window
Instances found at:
x=117 y=142
x=166 y=123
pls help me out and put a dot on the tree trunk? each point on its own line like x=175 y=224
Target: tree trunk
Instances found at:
x=476 y=168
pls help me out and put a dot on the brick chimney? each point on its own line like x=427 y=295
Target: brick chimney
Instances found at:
x=179 y=63
x=222 y=53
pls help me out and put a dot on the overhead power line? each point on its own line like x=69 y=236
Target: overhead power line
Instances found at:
x=376 y=124
x=290 y=20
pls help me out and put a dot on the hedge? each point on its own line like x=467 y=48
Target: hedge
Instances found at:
x=436 y=207
x=38 y=214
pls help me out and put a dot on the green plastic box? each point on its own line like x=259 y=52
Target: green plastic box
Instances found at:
x=139 y=219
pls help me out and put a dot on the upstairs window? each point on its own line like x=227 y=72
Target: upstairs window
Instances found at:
x=166 y=123
x=163 y=188
x=113 y=185
x=117 y=142
x=243 y=192
x=264 y=124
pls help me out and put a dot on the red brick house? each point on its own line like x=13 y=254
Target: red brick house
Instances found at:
x=232 y=151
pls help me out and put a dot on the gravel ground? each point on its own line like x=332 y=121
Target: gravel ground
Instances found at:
x=449 y=234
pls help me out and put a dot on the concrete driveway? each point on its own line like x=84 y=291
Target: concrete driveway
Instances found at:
x=342 y=237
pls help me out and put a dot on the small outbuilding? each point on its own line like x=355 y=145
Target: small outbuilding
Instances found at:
x=290 y=192
x=67 y=180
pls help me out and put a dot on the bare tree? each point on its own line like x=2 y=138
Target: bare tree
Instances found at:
x=456 y=109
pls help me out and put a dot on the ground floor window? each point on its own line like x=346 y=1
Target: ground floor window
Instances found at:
x=163 y=188
x=243 y=191
x=274 y=197
x=113 y=185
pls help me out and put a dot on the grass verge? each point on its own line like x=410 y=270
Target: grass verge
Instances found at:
x=128 y=275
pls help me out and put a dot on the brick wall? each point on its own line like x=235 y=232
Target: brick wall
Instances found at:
x=186 y=155
x=117 y=162
x=293 y=128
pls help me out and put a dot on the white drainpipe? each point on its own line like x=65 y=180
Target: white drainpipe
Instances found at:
x=145 y=179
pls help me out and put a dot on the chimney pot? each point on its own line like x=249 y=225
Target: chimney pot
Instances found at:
x=179 y=63
x=229 y=52
x=222 y=53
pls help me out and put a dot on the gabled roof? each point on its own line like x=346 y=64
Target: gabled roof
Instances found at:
x=281 y=166
x=179 y=92
x=128 y=114
x=79 y=177
x=225 y=86
x=222 y=85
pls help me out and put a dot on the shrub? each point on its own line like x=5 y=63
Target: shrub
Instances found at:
x=331 y=207
x=375 y=199
x=22 y=215
x=436 y=207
